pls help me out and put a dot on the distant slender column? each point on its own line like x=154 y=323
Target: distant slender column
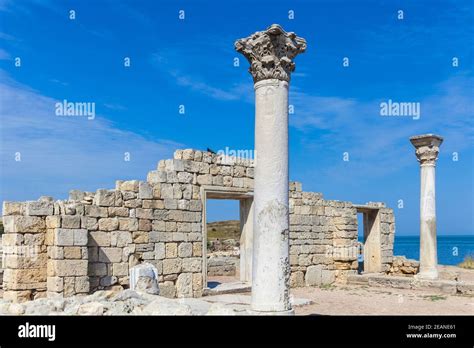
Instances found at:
x=270 y=54
x=427 y=149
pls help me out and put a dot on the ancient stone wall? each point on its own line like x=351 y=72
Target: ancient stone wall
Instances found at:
x=91 y=240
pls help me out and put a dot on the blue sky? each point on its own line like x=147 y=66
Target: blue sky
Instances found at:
x=190 y=62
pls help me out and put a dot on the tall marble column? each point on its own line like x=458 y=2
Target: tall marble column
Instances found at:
x=427 y=149
x=271 y=54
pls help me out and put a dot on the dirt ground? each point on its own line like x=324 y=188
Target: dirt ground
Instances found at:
x=364 y=300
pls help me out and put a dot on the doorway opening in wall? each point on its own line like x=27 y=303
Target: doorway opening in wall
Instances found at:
x=360 y=242
x=368 y=227
x=227 y=241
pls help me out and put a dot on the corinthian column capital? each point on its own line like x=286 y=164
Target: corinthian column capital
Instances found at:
x=271 y=52
x=427 y=148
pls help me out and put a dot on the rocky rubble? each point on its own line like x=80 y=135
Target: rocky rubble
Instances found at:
x=125 y=302
x=402 y=266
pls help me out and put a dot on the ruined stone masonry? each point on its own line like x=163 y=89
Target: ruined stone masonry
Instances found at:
x=90 y=241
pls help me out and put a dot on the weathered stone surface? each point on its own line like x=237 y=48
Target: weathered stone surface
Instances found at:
x=91 y=308
x=171 y=266
x=108 y=224
x=110 y=254
x=22 y=224
x=313 y=275
x=184 y=285
x=145 y=190
x=39 y=208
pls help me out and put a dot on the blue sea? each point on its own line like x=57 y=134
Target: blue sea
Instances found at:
x=451 y=249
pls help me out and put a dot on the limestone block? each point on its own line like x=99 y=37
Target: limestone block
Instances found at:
x=197 y=281
x=64 y=237
x=177 y=191
x=144 y=225
x=82 y=285
x=110 y=255
x=65 y=268
x=118 y=212
x=55 y=284
x=145 y=190
x=128 y=195
x=171 y=250
x=166 y=191
x=108 y=224
x=172 y=266
x=80 y=237
x=69 y=221
x=120 y=238
x=160 y=214
x=228 y=181
x=144 y=213
x=153 y=204
x=297 y=279
x=178 y=154
x=140 y=237
x=183 y=204
x=22 y=224
x=72 y=253
x=155 y=177
x=328 y=277
x=194 y=237
x=185 y=177
x=192 y=265
x=203 y=168
x=197 y=249
x=207 y=157
x=184 y=227
x=131 y=185
x=313 y=275
x=160 y=251
x=54 y=221
x=12 y=239
x=170 y=203
x=174 y=165
x=192 y=167
x=104 y=198
x=55 y=252
x=98 y=269
x=120 y=269
x=184 y=285
x=205 y=179
x=160 y=236
x=128 y=224
x=12 y=208
x=95 y=211
x=198 y=156
x=39 y=208
x=24 y=261
x=98 y=238
x=185 y=250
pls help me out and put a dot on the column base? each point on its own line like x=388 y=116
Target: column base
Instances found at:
x=282 y=313
x=427 y=274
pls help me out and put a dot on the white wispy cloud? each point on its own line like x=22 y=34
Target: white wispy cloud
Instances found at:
x=166 y=63
x=356 y=126
x=4 y=55
x=63 y=153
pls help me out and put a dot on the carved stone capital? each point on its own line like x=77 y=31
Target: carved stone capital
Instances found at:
x=271 y=52
x=427 y=148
